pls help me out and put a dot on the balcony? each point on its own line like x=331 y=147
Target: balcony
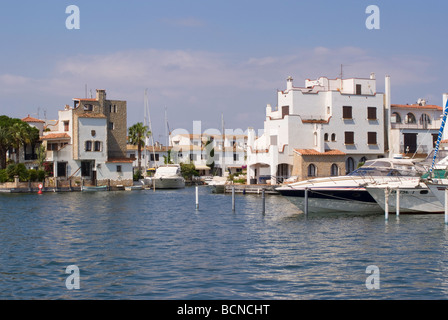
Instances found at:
x=417 y=126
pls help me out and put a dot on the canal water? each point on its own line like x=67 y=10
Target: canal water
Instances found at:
x=156 y=245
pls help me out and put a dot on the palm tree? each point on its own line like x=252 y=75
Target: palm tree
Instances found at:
x=5 y=143
x=22 y=134
x=137 y=136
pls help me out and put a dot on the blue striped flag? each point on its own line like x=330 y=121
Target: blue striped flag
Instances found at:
x=439 y=138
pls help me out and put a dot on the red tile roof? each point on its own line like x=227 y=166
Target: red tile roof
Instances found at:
x=312 y=152
x=120 y=160
x=31 y=119
x=91 y=115
x=55 y=136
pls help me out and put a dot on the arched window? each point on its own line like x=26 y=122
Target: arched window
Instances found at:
x=333 y=137
x=395 y=118
x=410 y=118
x=425 y=119
x=334 y=170
x=363 y=159
x=315 y=139
x=312 y=170
x=326 y=137
x=349 y=165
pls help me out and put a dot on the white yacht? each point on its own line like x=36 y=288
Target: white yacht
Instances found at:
x=168 y=177
x=218 y=184
x=414 y=197
x=348 y=193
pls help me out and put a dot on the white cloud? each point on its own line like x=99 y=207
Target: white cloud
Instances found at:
x=201 y=84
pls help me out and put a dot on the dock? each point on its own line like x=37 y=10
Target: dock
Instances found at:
x=252 y=188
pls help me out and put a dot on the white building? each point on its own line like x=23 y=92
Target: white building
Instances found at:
x=89 y=142
x=150 y=157
x=227 y=152
x=340 y=117
x=414 y=128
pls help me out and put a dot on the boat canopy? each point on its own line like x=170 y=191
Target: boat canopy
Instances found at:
x=387 y=167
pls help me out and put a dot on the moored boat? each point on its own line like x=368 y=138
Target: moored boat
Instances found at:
x=168 y=177
x=348 y=193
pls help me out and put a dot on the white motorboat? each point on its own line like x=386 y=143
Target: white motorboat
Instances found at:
x=348 y=193
x=168 y=177
x=414 y=197
x=217 y=184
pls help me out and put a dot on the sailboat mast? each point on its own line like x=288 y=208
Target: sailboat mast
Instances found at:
x=223 y=148
x=150 y=127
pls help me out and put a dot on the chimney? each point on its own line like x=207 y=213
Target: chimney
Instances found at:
x=289 y=83
x=100 y=94
x=372 y=76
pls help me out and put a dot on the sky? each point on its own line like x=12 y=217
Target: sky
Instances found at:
x=200 y=60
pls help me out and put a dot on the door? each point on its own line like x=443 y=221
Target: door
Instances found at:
x=410 y=142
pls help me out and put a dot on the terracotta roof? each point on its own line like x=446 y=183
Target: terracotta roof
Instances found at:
x=31 y=119
x=417 y=106
x=312 y=152
x=55 y=136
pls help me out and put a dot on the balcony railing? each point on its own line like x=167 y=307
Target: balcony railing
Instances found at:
x=425 y=126
x=409 y=149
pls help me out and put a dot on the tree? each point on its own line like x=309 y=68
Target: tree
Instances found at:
x=137 y=136
x=14 y=133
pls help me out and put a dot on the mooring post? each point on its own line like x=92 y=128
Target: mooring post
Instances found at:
x=263 y=199
x=446 y=206
x=386 y=203
x=197 y=198
x=398 y=202
x=305 y=209
x=233 y=198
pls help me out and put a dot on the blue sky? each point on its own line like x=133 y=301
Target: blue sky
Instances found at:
x=201 y=59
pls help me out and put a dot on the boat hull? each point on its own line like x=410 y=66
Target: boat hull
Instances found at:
x=333 y=200
x=412 y=200
x=93 y=189
x=169 y=183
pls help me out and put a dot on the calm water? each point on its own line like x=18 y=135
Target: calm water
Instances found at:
x=155 y=245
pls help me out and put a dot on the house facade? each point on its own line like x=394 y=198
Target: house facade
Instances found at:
x=328 y=123
x=89 y=142
x=226 y=152
x=414 y=129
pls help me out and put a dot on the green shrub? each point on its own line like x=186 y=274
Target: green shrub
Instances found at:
x=40 y=175
x=3 y=176
x=32 y=175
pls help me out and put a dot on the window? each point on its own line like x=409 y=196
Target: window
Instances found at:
x=435 y=136
x=88 y=107
x=347 y=112
x=371 y=113
x=88 y=146
x=52 y=147
x=235 y=157
x=326 y=137
x=315 y=139
x=111 y=126
x=425 y=120
x=93 y=133
x=157 y=157
x=395 y=118
x=66 y=125
x=112 y=108
x=132 y=155
x=312 y=170
x=334 y=170
x=97 y=146
x=410 y=118
x=349 y=137
x=371 y=138
x=62 y=169
x=358 y=89
x=85 y=168
x=119 y=169
x=285 y=111
x=349 y=165
x=333 y=137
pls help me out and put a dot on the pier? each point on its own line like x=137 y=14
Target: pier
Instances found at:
x=252 y=188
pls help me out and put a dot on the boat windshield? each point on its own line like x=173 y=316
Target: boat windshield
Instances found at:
x=383 y=168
